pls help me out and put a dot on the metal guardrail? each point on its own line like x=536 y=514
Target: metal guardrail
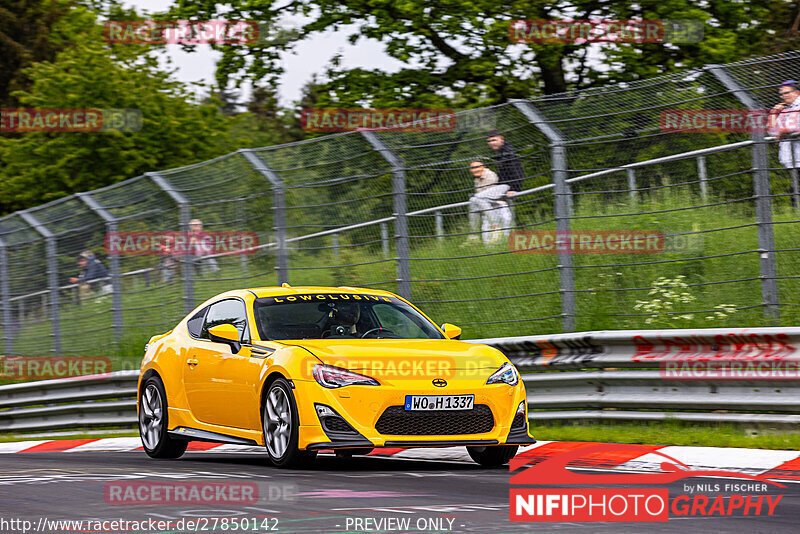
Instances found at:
x=624 y=375
x=79 y=402
x=605 y=375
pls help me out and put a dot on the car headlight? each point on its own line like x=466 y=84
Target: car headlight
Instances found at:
x=329 y=376
x=507 y=374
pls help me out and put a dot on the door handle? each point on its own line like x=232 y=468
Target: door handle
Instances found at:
x=192 y=361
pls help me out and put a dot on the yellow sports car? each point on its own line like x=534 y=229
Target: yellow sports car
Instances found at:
x=301 y=369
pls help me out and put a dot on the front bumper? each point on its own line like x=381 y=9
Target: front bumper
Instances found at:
x=361 y=408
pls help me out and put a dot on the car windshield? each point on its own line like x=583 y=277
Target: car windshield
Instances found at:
x=340 y=316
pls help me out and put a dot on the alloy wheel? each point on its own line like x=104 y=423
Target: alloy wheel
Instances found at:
x=278 y=420
x=150 y=417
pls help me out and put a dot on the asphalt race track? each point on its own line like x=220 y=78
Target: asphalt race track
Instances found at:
x=434 y=496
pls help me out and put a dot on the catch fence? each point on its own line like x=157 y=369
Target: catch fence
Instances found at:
x=389 y=209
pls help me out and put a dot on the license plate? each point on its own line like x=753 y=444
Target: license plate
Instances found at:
x=439 y=402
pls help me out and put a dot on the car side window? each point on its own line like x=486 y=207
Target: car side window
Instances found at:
x=195 y=324
x=228 y=311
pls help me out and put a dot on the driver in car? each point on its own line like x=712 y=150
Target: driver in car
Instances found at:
x=343 y=318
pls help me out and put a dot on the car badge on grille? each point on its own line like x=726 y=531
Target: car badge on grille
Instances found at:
x=440 y=383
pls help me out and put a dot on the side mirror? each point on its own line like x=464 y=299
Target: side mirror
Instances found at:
x=225 y=333
x=451 y=331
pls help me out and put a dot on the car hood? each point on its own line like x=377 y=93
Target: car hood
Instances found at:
x=418 y=356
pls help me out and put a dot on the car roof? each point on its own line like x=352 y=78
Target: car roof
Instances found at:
x=274 y=291
x=296 y=290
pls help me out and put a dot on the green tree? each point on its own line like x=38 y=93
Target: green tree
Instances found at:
x=460 y=50
x=36 y=30
x=37 y=167
x=264 y=123
x=25 y=38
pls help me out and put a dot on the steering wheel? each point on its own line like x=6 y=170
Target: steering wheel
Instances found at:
x=377 y=329
x=338 y=330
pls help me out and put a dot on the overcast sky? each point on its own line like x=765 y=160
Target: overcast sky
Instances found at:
x=312 y=55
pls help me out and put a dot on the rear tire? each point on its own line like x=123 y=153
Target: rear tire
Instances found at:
x=154 y=422
x=281 y=425
x=493 y=456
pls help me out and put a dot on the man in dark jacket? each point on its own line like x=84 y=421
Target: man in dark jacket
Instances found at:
x=509 y=167
x=92 y=271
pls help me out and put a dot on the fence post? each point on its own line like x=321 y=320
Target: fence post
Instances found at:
x=701 y=174
x=563 y=207
x=116 y=295
x=763 y=196
x=401 y=221
x=52 y=277
x=335 y=240
x=632 y=185
x=184 y=216
x=439 y=226
x=279 y=205
x=385 y=239
x=243 y=225
x=4 y=299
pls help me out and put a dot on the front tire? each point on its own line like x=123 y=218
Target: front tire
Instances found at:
x=281 y=427
x=154 y=422
x=493 y=456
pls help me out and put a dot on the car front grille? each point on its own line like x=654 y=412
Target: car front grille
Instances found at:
x=400 y=422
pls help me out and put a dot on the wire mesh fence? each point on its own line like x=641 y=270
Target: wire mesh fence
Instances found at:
x=398 y=210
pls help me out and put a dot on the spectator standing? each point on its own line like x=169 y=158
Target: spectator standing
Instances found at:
x=784 y=118
x=200 y=245
x=91 y=274
x=487 y=204
x=167 y=264
x=509 y=167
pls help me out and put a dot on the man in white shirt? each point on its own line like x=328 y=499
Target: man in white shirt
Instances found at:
x=784 y=118
x=487 y=201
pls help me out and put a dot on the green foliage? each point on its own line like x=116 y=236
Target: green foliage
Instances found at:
x=27 y=36
x=460 y=51
x=37 y=167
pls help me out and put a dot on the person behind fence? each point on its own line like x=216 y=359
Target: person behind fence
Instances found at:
x=509 y=167
x=167 y=265
x=200 y=245
x=93 y=275
x=488 y=212
x=784 y=118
